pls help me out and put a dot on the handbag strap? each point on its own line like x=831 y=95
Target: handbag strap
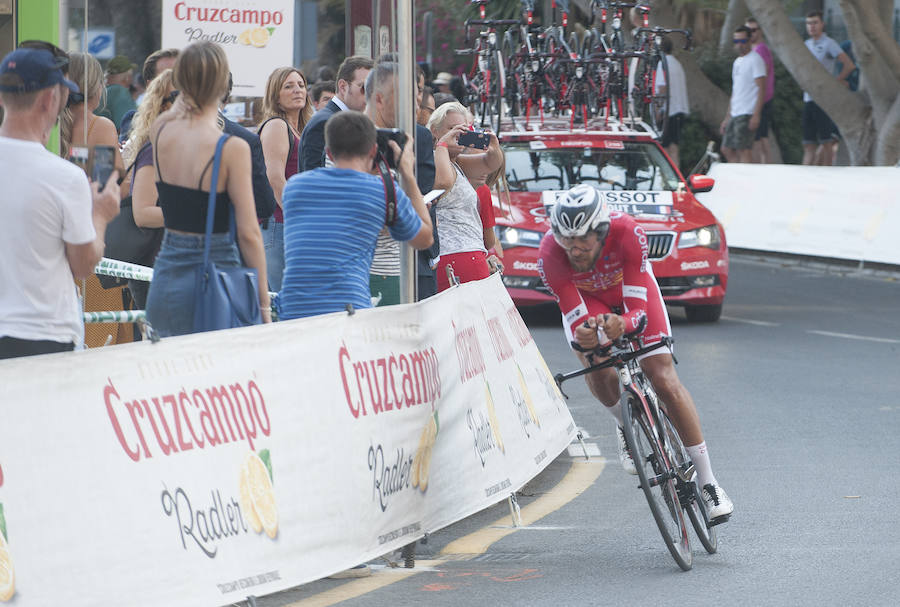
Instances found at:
x=211 y=206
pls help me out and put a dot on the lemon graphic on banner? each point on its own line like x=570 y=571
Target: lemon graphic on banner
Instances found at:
x=257 y=495
x=556 y=389
x=492 y=417
x=259 y=37
x=244 y=37
x=527 y=395
x=7 y=574
x=422 y=460
x=246 y=502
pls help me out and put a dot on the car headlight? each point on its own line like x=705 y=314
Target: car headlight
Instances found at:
x=707 y=236
x=515 y=237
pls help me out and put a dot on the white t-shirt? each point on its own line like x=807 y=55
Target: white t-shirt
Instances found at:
x=46 y=203
x=826 y=50
x=744 y=91
x=678 y=95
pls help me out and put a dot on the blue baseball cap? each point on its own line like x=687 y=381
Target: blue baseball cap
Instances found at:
x=26 y=70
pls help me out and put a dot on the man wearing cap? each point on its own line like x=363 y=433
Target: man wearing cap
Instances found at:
x=441 y=84
x=52 y=221
x=119 y=74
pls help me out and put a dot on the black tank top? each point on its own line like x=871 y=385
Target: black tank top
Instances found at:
x=185 y=209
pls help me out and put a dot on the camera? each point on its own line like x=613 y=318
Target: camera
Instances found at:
x=476 y=139
x=383 y=136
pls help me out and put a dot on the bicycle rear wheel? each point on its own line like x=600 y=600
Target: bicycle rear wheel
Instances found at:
x=495 y=90
x=657 y=479
x=689 y=492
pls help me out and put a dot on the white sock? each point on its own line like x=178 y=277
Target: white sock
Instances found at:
x=700 y=458
x=616 y=411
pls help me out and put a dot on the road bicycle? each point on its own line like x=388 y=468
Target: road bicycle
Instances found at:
x=650 y=94
x=664 y=469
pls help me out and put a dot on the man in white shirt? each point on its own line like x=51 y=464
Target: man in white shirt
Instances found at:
x=52 y=220
x=748 y=82
x=820 y=135
x=679 y=106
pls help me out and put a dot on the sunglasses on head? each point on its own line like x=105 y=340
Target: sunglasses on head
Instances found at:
x=42 y=45
x=171 y=97
x=740 y=40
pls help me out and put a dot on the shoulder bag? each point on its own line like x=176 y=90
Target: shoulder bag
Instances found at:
x=126 y=241
x=224 y=298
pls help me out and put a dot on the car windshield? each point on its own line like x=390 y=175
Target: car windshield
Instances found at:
x=634 y=166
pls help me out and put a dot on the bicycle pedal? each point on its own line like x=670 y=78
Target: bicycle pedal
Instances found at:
x=718 y=520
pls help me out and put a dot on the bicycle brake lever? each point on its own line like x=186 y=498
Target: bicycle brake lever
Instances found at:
x=558 y=378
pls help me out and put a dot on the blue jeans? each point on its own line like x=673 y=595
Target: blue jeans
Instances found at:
x=170 y=303
x=273 y=241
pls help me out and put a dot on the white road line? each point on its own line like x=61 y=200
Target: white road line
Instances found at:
x=882 y=340
x=747 y=321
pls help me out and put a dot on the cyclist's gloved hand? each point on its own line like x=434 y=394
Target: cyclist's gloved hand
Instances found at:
x=613 y=325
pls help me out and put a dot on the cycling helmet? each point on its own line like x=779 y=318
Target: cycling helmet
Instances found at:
x=578 y=211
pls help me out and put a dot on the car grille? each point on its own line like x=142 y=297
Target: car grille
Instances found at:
x=660 y=243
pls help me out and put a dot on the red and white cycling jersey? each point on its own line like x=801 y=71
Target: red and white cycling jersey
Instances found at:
x=621 y=279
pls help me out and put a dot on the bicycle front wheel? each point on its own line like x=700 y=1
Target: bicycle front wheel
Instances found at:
x=688 y=491
x=657 y=478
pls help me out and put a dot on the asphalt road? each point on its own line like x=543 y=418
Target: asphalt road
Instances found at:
x=798 y=388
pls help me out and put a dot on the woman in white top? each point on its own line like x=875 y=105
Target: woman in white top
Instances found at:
x=459 y=224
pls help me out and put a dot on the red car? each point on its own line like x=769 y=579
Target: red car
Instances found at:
x=687 y=243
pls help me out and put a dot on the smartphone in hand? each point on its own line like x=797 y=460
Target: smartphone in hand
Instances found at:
x=475 y=139
x=102 y=163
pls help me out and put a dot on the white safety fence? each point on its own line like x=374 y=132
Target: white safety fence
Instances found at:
x=848 y=213
x=202 y=469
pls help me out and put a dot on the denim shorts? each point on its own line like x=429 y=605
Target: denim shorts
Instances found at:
x=273 y=241
x=170 y=303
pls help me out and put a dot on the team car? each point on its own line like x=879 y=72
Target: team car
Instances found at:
x=687 y=244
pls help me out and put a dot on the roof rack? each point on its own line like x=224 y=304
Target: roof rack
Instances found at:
x=518 y=125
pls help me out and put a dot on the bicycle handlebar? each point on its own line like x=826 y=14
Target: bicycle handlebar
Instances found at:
x=688 y=36
x=614 y=359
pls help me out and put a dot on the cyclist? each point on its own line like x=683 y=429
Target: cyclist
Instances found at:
x=597 y=267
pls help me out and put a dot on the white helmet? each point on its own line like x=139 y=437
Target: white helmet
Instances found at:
x=579 y=211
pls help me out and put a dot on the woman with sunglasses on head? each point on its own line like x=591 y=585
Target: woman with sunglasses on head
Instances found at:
x=286 y=110
x=185 y=139
x=138 y=157
x=78 y=126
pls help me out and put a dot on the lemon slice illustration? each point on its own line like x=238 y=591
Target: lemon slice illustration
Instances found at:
x=527 y=395
x=492 y=418
x=259 y=37
x=262 y=496
x=247 y=502
x=244 y=37
x=7 y=575
x=422 y=459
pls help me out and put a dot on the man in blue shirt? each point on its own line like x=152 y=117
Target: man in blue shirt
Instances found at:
x=332 y=217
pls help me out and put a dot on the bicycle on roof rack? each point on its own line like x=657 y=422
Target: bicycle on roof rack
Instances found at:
x=485 y=81
x=664 y=469
x=650 y=94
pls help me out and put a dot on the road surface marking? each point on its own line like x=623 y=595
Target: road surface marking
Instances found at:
x=882 y=340
x=593 y=450
x=747 y=321
x=581 y=475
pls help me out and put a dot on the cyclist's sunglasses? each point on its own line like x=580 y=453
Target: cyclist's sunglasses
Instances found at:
x=583 y=243
x=57 y=52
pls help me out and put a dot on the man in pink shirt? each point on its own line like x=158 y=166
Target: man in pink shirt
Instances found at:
x=761 y=143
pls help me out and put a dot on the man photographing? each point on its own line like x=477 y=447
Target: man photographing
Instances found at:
x=332 y=217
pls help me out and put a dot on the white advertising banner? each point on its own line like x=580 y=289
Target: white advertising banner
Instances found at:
x=257 y=35
x=840 y=212
x=206 y=468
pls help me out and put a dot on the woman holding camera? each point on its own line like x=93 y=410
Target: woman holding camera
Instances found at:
x=460 y=226
x=184 y=142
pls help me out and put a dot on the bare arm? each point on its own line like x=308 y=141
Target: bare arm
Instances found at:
x=760 y=100
x=276 y=150
x=445 y=149
x=238 y=183
x=143 y=200
x=847 y=66
x=83 y=258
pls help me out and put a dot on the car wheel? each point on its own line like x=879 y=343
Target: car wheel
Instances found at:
x=703 y=313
